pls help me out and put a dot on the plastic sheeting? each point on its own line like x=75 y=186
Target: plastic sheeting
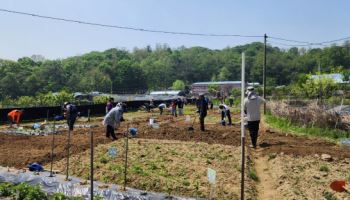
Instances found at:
x=74 y=187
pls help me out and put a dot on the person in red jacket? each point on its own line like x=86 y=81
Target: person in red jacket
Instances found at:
x=15 y=116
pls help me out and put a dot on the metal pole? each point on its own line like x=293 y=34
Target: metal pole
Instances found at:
x=52 y=146
x=91 y=159
x=68 y=148
x=242 y=127
x=126 y=157
x=264 y=73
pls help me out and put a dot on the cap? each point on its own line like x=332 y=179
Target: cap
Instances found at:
x=250 y=88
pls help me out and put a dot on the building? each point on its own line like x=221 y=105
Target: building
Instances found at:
x=225 y=86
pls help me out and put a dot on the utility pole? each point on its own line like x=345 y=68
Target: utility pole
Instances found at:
x=264 y=73
x=242 y=127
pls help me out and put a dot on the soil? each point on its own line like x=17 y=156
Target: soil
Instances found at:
x=28 y=149
x=19 y=151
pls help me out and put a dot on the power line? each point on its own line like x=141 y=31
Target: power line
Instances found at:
x=294 y=45
x=298 y=42
x=288 y=40
x=309 y=43
x=336 y=40
x=127 y=27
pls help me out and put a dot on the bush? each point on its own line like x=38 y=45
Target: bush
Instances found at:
x=5 y=189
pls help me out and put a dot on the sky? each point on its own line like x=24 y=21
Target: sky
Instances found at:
x=304 y=20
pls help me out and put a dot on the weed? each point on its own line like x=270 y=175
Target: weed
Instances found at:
x=272 y=156
x=186 y=183
x=58 y=196
x=252 y=175
x=138 y=170
x=287 y=126
x=329 y=196
x=324 y=168
x=104 y=159
x=153 y=166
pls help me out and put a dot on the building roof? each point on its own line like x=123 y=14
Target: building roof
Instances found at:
x=166 y=92
x=223 y=83
x=217 y=83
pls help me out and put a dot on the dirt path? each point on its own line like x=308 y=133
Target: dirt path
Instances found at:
x=266 y=187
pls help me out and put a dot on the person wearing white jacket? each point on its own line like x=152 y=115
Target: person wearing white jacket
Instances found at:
x=252 y=110
x=112 y=121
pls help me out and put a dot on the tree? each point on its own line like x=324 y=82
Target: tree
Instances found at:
x=178 y=85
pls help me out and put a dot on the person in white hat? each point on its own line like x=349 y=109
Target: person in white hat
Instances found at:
x=112 y=121
x=252 y=110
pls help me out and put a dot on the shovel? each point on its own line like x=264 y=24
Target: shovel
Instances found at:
x=339 y=186
x=191 y=127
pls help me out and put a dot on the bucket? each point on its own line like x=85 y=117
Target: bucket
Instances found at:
x=188 y=118
x=345 y=144
x=151 y=121
x=155 y=126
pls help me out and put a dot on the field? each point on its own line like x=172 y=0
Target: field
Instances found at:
x=174 y=160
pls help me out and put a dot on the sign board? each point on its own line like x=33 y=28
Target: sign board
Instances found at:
x=113 y=152
x=211 y=176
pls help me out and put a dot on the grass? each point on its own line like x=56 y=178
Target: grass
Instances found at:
x=286 y=125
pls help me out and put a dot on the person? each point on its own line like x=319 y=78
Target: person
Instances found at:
x=173 y=108
x=14 y=117
x=112 y=121
x=203 y=108
x=230 y=100
x=161 y=107
x=150 y=105
x=71 y=113
x=225 y=112
x=109 y=105
x=252 y=110
x=180 y=105
x=211 y=103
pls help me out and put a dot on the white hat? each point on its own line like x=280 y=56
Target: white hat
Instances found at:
x=250 y=88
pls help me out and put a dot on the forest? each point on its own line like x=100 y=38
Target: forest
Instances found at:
x=144 y=69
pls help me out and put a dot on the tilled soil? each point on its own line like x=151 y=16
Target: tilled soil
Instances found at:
x=19 y=151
